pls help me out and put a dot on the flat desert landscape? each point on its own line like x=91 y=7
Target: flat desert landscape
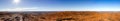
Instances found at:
x=61 y=16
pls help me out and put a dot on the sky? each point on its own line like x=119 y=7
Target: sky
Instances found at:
x=60 y=5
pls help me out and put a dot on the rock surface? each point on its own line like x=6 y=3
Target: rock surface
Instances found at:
x=60 y=16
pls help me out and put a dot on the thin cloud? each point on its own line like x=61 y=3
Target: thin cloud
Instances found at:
x=20 y=9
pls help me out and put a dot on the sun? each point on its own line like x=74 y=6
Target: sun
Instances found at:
x=16 y=1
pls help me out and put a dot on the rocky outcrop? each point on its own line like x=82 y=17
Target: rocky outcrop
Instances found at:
x=60 y=16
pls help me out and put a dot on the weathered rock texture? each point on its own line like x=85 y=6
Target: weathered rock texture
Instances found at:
x=60 y=16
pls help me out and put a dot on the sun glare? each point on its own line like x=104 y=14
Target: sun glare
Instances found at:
x=16 y=1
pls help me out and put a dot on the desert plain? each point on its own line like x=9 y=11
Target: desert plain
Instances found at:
x=61 y=16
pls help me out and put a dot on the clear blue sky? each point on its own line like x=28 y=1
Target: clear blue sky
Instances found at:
x=61 y=5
